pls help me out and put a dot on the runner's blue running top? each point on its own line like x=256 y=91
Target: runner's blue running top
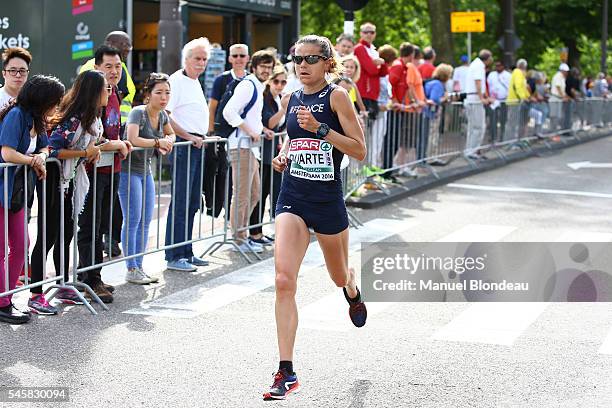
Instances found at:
x=313 y=171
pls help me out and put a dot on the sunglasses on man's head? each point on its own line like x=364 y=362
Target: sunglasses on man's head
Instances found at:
x=310 y=59
x=239 y=55
x=279 y=81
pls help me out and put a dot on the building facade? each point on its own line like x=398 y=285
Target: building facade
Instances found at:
x=63 y=34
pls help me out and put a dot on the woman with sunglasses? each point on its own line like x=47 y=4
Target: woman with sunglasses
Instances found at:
x=148 y=127
x=78 y=127
x=322 y=125
x=23 y=140
x=273 y=118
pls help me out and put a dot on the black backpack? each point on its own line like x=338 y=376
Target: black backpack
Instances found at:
x=222 y=128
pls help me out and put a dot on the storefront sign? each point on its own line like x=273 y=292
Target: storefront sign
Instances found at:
x=60 y=34
x=283 y=7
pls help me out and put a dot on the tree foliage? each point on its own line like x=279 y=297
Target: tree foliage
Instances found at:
x=544 y=26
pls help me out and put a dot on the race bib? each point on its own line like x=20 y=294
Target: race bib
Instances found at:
x=311 y=159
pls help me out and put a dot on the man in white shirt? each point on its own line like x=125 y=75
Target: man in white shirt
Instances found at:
x=460 y=75
x=244 y=146
x=189 y=118
x=239 y=58
x=475 y=102
x=15 y=68
x=558 y=97
x=499 y=84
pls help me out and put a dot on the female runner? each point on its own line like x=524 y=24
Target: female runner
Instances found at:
x=322 y=125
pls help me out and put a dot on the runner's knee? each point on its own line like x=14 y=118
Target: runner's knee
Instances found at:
x=284 y=283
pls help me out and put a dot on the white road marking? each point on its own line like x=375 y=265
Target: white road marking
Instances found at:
x=331 y=311
x=236 y=285
x=530 y=190
x=483 y=322
x=478 y=233
x=589 y=165
x=491 y=323
x=503 y=322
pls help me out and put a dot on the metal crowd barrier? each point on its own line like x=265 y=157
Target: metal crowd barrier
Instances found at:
x=436 y=135
x=260 y=215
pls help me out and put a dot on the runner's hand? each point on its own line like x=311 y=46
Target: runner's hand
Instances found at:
x=306 y=120
x=280 y=162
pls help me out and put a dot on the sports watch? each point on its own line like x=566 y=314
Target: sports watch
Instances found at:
x=323 y=130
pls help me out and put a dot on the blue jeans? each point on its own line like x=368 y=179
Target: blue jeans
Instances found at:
x=139 y=204
x=186 y=199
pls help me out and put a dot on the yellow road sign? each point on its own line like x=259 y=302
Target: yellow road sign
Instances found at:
x=468 y=22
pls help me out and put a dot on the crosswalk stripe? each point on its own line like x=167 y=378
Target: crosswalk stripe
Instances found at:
x=478 y=233
x=491 y=322
x=236 y=285
x=503 y=322
x=483 y=322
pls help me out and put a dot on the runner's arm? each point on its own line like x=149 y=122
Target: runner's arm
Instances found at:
x=353 y=143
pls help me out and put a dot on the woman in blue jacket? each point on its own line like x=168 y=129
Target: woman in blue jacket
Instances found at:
x=23 y=140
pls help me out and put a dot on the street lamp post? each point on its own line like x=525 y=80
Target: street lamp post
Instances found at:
x=349 y=7
x=604 y=38
x=169 y=36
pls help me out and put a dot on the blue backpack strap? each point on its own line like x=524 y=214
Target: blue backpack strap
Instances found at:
x=249 y=105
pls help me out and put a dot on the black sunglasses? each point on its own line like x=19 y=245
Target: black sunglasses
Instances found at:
x=310 y=59
x=279 y=81
x=369 y=32
x=239 y=55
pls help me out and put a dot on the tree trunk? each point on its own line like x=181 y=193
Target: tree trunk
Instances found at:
x=441 y=36
x=573 y=54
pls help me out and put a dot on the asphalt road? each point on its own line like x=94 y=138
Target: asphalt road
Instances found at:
x=207 y=339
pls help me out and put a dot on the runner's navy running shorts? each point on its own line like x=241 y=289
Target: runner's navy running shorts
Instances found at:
x=327 y=218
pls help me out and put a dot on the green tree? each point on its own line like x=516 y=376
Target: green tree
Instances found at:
x=396 y=21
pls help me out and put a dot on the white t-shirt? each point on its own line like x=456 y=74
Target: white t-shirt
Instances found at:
x=235 y=106
x=475 y=72
x=460 y=75
x=5 y=98
x=499 y=83
x=32 y=146
x=187 y=104
x=558 y=81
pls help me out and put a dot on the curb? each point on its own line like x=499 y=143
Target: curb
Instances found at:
x=412 y=187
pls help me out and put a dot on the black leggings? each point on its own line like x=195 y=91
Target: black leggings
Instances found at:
x=53 y=219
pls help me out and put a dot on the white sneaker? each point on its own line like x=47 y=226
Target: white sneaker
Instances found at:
x=407 y=172
x=153 y=279
x=248 y=247
x=137 y=276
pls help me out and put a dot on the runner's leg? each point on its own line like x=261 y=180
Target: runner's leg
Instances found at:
x=337 y=266
x=292 y=239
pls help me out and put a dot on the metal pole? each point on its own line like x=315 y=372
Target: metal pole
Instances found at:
x=469 y=46
x=604 y=38
x=129 y=17
x=508 y=15
x=349 y=22
x=170 y=34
